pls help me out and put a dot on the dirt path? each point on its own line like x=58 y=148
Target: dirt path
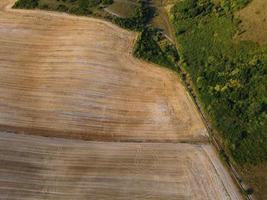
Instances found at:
x=75 y=78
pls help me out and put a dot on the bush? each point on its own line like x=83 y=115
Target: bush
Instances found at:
x=147 y=47
x=26 y=4
x=107 y=2
x=62 y=8
x=139 y=19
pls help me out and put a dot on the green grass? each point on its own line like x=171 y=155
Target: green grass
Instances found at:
x=139 y=19
x=257 y=177
x=123 y=8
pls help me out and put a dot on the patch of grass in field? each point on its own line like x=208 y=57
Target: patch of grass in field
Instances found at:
x=150 y=45
x=162 y=3
x=161 y=20
x=123 y=8
x=230 y=77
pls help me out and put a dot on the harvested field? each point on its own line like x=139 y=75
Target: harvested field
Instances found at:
x=76 y=77
x=254 y=22
x=33 y=167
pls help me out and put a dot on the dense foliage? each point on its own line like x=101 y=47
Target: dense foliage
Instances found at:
x=85 y=7
x=232 y=5
x=139 y=20
x=27 y=4
x=78 y=7
x=230 y=76
x=152 y=47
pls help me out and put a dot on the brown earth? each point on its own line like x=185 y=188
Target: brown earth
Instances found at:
x=75 y=77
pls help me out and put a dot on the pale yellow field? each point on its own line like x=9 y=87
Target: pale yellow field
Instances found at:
x=75 y=78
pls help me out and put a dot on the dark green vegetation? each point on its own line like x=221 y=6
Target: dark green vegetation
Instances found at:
x=230 y=77
x=28 y=4
x=78 y=7
x=138 y=21
x=153 y=47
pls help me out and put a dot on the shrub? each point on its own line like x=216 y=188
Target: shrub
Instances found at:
x=26 y=4
x=148 y=48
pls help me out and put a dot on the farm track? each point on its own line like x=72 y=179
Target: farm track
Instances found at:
x=73 y=79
